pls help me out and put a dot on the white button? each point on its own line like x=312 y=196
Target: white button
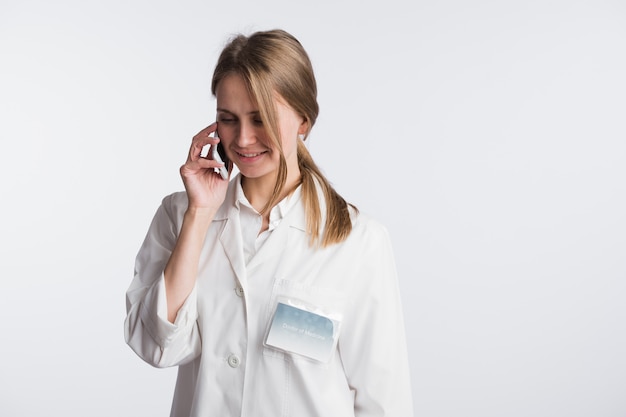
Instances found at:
x=234 y=361
x=239 y=291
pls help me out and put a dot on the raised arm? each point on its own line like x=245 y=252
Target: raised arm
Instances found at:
x=206 y=191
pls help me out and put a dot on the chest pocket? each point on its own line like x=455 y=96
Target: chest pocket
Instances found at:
x=322 y=303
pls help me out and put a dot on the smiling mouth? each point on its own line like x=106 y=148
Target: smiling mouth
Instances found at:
x=250 y=155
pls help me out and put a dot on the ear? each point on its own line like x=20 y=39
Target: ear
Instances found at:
x=303 y=129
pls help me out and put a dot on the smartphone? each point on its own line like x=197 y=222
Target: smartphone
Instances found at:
x=218 y=154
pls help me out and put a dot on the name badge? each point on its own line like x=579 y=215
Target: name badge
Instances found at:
x=304 y=330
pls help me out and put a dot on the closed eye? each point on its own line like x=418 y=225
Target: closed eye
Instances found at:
x=226 y=117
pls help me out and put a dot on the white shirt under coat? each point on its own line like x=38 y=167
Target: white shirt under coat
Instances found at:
x=217 y=339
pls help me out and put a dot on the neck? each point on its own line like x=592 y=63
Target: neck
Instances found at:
x=258 y=191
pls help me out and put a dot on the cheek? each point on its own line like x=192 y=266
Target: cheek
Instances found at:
x=225 y=132
x=289 y=134
x=289 y=144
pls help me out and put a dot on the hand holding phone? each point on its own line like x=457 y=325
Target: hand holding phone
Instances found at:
x=205 y=185
x=218 y=154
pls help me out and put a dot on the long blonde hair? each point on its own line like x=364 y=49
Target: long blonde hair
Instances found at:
x=275 y=62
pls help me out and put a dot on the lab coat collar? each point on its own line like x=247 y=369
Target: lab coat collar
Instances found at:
x=294 y=222
x=295 y=215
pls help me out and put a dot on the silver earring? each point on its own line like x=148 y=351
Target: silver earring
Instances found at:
x=301 y=136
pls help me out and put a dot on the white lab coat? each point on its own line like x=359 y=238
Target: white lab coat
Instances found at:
x=217 y=340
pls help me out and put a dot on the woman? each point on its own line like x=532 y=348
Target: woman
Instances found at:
x=272 y=295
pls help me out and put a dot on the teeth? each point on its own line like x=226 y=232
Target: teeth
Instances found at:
x=250 y=155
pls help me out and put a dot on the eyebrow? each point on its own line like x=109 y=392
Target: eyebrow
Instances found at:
x=254 y=113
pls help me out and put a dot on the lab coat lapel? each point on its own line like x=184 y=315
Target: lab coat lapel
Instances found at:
x=230 y=236
x=277 y=244
x=233 y=246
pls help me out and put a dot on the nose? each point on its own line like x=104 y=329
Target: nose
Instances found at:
x=246 y=135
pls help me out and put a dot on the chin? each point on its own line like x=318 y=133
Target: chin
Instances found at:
x=253 y=173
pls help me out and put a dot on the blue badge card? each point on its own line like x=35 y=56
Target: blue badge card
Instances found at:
x=296 y=329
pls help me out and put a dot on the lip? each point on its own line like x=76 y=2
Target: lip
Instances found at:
x=249 y=157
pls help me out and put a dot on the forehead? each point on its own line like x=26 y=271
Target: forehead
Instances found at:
x=233 y=95
x=233 y=90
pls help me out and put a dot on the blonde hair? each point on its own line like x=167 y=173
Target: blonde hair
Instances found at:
x=272 y=62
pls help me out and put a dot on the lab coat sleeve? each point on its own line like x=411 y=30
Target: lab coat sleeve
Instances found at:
x=146 y=328
x=373 y=341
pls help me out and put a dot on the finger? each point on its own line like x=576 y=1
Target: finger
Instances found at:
x=208 y=130
x=200 y=140
x=200 y=165
x=198 y=144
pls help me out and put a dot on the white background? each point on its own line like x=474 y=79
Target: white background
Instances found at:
x=489 y=136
